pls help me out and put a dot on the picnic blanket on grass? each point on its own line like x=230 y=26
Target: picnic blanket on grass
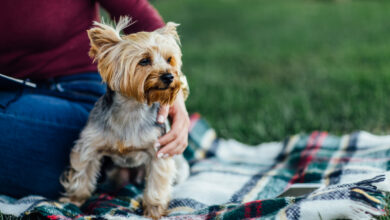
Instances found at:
x=230 y=180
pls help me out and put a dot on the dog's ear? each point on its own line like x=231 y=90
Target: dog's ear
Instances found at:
x=103 y=36
x=170 y=29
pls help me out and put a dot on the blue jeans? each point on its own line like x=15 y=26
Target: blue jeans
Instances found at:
x=38 y=128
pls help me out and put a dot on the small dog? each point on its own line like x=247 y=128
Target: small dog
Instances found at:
x=142 y=72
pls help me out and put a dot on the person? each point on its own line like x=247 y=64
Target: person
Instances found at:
x=45 y=42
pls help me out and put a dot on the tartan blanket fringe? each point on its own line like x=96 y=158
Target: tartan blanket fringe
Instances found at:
x=230 y=180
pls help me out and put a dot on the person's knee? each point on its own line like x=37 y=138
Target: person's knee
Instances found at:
x=37 y=135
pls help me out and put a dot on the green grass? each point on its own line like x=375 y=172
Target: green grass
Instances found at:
x=262 y=70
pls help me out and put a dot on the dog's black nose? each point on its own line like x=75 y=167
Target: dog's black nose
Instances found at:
x=167 y=78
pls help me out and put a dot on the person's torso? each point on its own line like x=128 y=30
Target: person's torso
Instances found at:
x=44 y=38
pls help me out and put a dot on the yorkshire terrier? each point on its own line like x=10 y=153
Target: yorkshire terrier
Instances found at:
x=142 y=72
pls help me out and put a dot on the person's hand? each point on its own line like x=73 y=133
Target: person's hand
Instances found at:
x=176 y=140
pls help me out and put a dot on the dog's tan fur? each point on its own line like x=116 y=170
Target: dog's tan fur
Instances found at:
x=125 y=132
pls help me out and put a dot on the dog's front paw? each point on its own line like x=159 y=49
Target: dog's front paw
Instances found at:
x=154 y=211
x=78 y=203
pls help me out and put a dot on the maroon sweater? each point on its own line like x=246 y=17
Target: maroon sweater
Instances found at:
x=40 y=39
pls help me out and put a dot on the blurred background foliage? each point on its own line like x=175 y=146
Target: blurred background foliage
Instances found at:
x=262 y=70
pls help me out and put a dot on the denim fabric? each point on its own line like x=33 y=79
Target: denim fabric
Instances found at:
x=38 y=128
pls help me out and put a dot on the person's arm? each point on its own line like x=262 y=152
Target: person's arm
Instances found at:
x=176 y=140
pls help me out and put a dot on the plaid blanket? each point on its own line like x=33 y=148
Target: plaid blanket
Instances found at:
x=230 y=180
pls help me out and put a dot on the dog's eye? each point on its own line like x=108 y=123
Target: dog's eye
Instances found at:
x=169 y=59
x=145 y=61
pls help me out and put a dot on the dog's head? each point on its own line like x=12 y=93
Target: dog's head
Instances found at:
x=144 y=65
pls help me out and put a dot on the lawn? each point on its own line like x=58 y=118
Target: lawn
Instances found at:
x=262 y=70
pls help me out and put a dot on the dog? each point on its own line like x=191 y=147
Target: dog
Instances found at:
x=142 y=72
